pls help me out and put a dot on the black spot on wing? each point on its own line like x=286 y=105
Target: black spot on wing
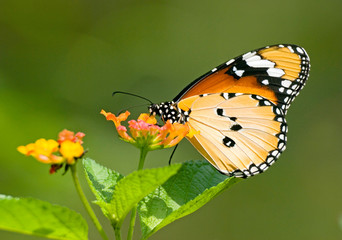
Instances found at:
x=219 y=111
x=236 y=127
x=228 y=142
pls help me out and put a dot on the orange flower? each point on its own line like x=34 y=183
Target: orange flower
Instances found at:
x=66 y=150
x=144 y=133
x=68 y=135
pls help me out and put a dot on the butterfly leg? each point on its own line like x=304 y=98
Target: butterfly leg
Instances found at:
x=173 y=151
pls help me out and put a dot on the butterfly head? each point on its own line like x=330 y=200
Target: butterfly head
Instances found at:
x=167 y=111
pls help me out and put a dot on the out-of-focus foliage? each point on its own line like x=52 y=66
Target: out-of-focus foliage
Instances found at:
x=36 y=217
x=60 y=61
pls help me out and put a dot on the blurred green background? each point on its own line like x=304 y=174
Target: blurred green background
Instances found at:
x=61 y=60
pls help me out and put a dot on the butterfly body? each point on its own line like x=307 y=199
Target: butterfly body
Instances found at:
x=239 y=108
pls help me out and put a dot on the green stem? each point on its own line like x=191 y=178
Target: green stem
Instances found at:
x=117 y=231
x=143 y=153
x=86 y=203
x=131 y=223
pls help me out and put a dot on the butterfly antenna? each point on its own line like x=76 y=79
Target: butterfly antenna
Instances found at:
x=122 y=110
x=131 y=94
x=172 y=154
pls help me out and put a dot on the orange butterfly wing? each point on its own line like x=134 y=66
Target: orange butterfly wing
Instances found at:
x=238 y=108
x=277 y=73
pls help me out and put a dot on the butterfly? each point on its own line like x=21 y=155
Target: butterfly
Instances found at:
x=238 y=108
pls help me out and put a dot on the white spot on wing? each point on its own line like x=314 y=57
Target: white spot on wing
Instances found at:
x=214 y=70
x=225 y=95
x=289 y=91
x=260 y=64
x=230 y=61
x=254 y=170
x=290 y=48
x=263 y=166
x=238 y=174
x=265 y=82
x=239 y=72
x=286 y=83
x=254 y=58
x=279 y=119
x=299 y=50
x=294 y=86
x=248 y=55
x=275 y=72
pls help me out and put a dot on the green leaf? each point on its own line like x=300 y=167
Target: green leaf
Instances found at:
x=35 y=217
x=134 y=187
x=195 y=184
x=101 y=180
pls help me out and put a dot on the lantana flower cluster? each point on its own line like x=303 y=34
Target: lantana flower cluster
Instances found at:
x=66 y=149
x=145 y=133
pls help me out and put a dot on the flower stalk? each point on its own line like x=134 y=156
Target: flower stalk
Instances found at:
x=86 y=203
x=117 y=231
x=143 y=153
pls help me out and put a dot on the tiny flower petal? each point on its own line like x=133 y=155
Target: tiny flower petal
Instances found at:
x=69 y=135
x=122 y=131
x=117 y=120
x=79 y=136
x=148 y=118
x=71 y=150
x=175 y=134
x=26 y=150
x=192 y=132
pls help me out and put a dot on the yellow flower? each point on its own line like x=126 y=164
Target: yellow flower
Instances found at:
x=144 y=133
x=71 y=145
x=71 y=150
x=64 y=151
x=43 y=151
